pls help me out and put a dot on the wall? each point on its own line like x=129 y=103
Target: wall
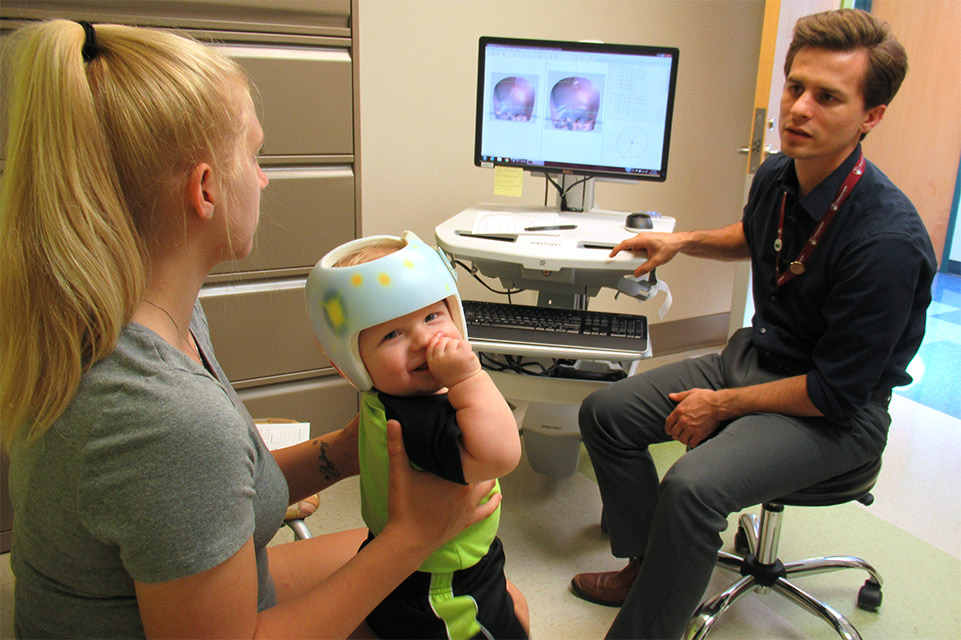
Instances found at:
x=918 y=144
x=418 y=65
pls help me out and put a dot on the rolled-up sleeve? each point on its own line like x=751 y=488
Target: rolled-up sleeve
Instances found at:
x=867 y=318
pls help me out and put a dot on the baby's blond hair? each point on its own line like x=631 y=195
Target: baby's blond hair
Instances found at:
x=370 y=252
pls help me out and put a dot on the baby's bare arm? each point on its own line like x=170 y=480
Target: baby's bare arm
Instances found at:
x=490 y=442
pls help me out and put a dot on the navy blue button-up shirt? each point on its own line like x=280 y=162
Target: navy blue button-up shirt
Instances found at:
x=855 y=318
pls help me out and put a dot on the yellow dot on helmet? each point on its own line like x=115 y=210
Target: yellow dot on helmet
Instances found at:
x=356 y=279
x=408 y=264
x=384 y=279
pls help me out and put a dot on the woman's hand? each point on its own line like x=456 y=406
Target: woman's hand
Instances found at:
x=426 y=508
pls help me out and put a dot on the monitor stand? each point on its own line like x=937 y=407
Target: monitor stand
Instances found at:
x=580 y=197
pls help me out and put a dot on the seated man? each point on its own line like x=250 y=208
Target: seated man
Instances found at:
x=842 y=269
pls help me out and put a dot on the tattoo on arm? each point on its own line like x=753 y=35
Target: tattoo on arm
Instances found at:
x=327 y=467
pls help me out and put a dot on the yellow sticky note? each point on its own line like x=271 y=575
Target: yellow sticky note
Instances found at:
x=508 y=181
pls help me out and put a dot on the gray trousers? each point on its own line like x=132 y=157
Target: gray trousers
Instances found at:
x=675 y=523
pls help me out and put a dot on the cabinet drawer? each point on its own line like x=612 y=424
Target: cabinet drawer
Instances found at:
x=261 y=330
x=304 y=98
x=315 y=17
x=327 y=403
x=304 y=213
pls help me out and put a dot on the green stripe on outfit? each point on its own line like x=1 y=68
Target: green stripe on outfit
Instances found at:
x=459 y=613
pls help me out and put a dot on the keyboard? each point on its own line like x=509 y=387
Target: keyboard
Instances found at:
x=553 y=326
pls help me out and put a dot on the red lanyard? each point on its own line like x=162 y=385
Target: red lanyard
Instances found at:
x=797 y=267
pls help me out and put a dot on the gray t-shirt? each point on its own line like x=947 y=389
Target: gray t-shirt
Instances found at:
x=154 y=472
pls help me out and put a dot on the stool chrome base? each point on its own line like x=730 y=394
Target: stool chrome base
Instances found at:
x=299 y=527
x=761 y=571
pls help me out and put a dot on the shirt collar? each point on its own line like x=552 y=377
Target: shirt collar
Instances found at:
x=817 y=202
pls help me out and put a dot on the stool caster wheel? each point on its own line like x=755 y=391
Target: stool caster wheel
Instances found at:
x=740 y=541
x=869 y=596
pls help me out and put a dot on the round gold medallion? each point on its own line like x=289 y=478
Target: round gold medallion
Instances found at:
x=796 y=268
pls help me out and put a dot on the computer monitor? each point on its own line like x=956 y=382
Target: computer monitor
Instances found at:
x=582 y=108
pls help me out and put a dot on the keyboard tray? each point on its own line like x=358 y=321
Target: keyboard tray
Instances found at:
x=552 y=327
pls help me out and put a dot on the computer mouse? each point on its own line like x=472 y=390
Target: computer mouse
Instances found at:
x=639 y=221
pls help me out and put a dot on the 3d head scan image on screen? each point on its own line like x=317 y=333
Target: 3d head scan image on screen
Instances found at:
x=575 y=103
x=573 y=107
x=513 y=99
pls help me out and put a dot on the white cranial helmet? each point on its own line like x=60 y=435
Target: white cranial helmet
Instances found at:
x=343 y=301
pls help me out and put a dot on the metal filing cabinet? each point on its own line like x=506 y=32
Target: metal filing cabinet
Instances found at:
x=300 y=57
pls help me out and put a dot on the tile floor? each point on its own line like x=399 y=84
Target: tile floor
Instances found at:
x=937 y=367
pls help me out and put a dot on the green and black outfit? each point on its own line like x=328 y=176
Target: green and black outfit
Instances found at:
x=460 y=591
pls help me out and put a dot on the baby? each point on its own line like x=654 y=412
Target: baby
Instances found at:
x=388 y=316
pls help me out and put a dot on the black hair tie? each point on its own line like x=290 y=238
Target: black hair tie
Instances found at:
x=90 y=50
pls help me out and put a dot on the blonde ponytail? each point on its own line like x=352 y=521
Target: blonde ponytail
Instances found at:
x=86 y=174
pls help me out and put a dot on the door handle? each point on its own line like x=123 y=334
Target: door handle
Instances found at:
x=744 y=151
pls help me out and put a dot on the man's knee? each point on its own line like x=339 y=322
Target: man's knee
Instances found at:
x=689 y=490
x=626 y=413
x=596 y=411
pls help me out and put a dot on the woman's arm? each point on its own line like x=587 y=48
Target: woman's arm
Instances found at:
x=425 y=512
x=314 y=465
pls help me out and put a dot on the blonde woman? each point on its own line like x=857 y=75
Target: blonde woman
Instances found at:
x=144 y=497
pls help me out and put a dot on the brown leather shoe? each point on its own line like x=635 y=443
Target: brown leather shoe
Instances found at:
x=608 y=588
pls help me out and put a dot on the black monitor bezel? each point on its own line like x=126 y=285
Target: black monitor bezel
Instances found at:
x=569 y=168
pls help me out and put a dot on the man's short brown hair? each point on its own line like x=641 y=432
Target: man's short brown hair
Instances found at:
x=852 y=29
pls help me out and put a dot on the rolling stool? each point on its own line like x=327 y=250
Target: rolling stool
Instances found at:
x=757 y=541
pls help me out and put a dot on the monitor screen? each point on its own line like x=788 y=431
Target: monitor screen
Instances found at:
x=575 y=107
